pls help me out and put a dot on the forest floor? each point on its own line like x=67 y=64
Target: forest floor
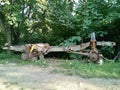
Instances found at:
x=30 y=77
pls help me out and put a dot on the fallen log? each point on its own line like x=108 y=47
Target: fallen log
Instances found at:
x=106 y=43
x=18 y=48
x=35 y=51
x=68 y=48
x=21 y=48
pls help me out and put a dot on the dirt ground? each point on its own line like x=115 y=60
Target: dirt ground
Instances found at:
x=28 y=77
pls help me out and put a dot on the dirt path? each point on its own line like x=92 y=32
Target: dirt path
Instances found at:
x=28 y=77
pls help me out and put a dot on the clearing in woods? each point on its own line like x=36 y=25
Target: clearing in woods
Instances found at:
x=30 y=77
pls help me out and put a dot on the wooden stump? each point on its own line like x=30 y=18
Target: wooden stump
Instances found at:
x=94 y=56
x=24 y=56
x=41 y=57
x=100 y=61
x=33 y=58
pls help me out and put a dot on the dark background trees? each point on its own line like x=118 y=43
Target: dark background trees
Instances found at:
x=59 y=22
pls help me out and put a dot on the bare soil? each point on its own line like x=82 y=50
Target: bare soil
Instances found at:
x=29 y=77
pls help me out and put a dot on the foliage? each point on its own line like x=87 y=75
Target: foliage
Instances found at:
x=107 y=51
x=74 y=40
x=89 y=70
x=58 y=22
x=92 y=15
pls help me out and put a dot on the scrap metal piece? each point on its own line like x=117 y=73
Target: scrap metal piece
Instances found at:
x=93 y=38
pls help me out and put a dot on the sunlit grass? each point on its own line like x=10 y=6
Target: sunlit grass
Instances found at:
x=89 y=70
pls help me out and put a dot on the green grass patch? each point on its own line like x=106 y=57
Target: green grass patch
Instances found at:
x=87 y=70
x=7 y=58
x=90 y=70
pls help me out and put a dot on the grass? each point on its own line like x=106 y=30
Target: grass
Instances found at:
x=90 y=70
x=6 y=58
x=87 y=70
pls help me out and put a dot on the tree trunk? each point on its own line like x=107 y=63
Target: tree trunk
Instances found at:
x=8 y=36
x=7 y=32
